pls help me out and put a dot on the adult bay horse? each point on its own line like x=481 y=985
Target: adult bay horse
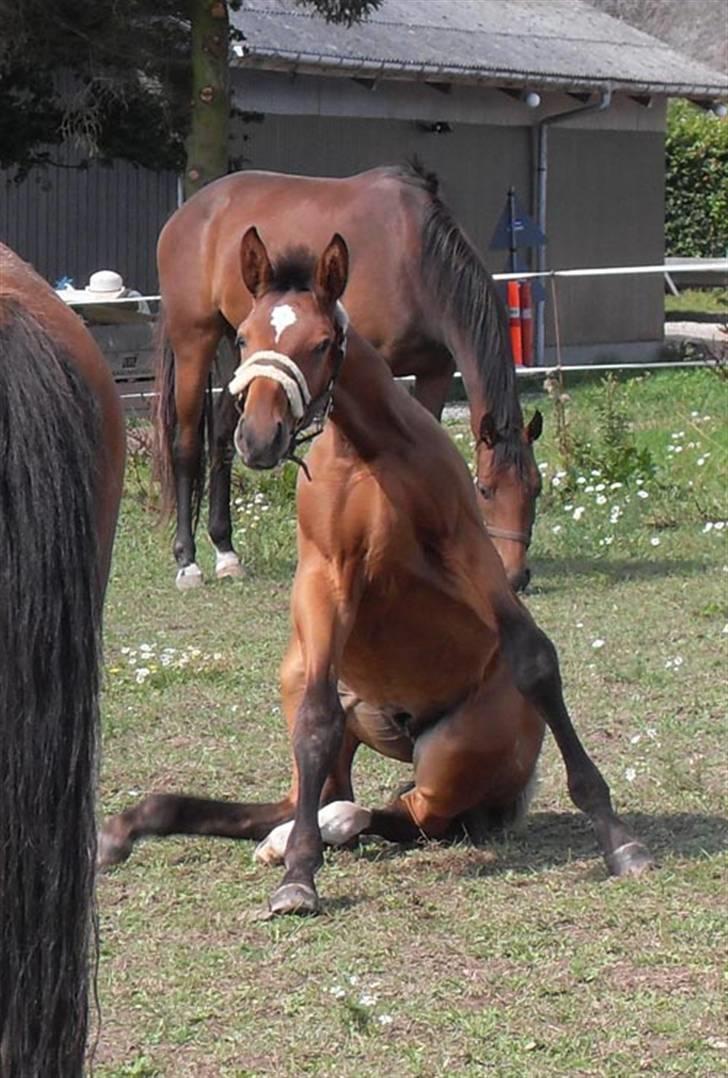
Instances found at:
x=406 y=634
x=417 y=291
x=61 y=465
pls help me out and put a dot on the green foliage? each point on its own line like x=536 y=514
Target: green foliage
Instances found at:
x=696 y=195
x=611 y=448
x=112 y=79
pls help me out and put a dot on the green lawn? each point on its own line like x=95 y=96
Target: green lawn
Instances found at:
x=516 y=959
x=701 y=301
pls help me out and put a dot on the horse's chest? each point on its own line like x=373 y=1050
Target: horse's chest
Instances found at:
x=414 y=647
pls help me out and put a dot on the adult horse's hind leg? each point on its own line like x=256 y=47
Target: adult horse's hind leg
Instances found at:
x=535 y=669
x=225 y=417
x=194 y=350
x=431 y=389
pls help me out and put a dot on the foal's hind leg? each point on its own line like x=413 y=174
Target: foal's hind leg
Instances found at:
x=176 y=814
x=535 y=669
x=160 y=815
x=482 y=755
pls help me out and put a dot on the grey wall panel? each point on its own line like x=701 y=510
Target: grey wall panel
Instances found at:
x=69 y=222
x=606 y=208
x=475 y=164
x=605 y=200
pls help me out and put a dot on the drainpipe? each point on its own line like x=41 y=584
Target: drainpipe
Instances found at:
x=542 y=169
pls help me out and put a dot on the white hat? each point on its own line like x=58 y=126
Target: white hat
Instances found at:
x=106 y=283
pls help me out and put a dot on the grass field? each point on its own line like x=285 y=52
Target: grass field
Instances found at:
x=515 y=959
x=701 y=301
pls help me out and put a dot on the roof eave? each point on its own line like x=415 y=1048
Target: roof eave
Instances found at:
x=295 y=62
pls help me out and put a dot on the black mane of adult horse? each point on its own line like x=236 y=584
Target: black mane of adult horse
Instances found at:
x=418 y=292
x=61 y=464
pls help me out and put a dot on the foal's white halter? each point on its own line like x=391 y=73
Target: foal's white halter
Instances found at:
x=279 y=367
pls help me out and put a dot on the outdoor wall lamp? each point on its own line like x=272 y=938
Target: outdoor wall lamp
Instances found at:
x=528 y=97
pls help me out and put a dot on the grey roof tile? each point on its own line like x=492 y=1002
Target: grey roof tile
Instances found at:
x=564 y=43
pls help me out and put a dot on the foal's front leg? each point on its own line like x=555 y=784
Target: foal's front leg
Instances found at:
x=317 y=737
x=322 y=609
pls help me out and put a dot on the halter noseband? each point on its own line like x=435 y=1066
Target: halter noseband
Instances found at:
x=305 y=409
x=504 y=533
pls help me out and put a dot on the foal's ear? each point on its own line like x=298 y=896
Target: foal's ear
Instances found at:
x=254 y=262
x=332 y=271
x=488 y=431
x=535 y=426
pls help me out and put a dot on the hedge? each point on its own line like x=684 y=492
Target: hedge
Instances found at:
x=696 y=194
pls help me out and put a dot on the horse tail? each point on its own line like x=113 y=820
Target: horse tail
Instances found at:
x=460 y=287
x=164 y=419
x=50 y=650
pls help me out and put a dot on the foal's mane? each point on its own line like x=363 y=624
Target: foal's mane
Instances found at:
x=293 y=271
x=457 y=279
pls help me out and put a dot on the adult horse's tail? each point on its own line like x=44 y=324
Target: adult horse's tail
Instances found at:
x=50 y=612
x=164 y=417
x=474 y=314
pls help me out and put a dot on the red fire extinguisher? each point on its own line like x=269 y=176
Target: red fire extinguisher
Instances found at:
x=514 y=322
x=526 y=323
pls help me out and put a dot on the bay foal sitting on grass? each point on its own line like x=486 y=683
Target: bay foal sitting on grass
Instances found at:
x=406 y=634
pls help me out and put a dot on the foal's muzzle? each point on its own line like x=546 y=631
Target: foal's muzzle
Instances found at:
x=259 y=449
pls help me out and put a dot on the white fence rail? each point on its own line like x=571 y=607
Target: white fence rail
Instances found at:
x=715 y=266
x=718 y=265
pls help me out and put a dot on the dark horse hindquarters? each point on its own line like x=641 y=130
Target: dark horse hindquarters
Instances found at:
x=61 y=433
x=418 y=291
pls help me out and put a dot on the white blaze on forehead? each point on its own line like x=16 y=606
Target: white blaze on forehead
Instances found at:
x=281 y=317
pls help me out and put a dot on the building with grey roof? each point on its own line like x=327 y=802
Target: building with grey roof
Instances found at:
x=552 y=97
x=452 y=81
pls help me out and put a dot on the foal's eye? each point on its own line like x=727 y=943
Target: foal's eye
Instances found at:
x=322 y=348
x=240 y=342
x=486 y=492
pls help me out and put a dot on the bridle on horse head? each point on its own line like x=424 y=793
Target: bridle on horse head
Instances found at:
x=504 y=533
x=307 y=411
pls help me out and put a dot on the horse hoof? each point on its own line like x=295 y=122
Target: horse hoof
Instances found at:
x=631 y=859
x=190 y=576
x=228 y=565
x=110 y=851
x=272 y=850
x=294 y=898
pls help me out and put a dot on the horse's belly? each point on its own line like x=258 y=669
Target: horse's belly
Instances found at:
x=417 y=650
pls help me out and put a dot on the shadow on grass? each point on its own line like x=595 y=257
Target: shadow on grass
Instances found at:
x=553 y=839
x=558 y=570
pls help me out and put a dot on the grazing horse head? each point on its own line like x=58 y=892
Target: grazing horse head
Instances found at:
x=509 y=482
x=291 y=345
